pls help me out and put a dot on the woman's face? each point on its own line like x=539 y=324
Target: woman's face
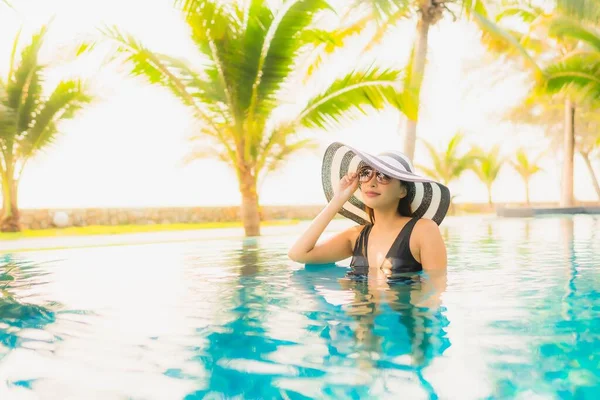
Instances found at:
x=379 y=190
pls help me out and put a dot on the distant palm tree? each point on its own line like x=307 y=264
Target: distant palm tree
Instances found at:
x=487 y=167
x=548 y=112
x=29 y=119
x=551 y=44
x=526 y=168
x=252 y=53
x=448 y=163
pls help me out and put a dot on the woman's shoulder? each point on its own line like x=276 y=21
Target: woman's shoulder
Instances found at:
x=425 y=228
x=354 y=232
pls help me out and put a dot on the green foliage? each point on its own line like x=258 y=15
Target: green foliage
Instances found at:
x=524 y=165
x=29 y=120
x=449 y=163
x=253 y=53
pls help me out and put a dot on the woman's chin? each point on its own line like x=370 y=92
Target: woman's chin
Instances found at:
x=371 y=202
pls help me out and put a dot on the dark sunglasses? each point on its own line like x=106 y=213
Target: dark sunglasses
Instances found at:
x=365 y=174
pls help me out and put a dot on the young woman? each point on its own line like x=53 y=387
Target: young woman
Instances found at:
x=398 y=213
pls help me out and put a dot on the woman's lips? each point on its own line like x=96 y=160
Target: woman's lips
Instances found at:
x=371 y=194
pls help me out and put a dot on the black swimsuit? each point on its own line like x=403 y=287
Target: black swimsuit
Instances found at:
x=399 y=261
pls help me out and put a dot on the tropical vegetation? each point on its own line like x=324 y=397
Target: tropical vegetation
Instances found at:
x=253 y=52
x=29 y=118
x=526 y=168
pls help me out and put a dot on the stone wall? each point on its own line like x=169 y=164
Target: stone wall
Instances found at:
x=44 y=218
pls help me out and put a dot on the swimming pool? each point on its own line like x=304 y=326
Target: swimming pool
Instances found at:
x=517 y=316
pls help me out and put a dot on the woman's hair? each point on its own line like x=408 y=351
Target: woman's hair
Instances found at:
x=404 y=208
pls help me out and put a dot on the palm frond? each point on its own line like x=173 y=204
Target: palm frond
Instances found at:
x=431 y=173
x=449 y=164
x=494 y=33
x=281 y=49
x=283 y=153
x=411 y=88
x=580 y=71
x=323 y=43
x=211 y=150
x=525 y=167
x=357 y=90
x=67 y=98
x=488 y=165
x=187 y=85
x=218 y=29
x=403 y=11
x=567 y=27
x=7 y=118
x=587 y=10
x=434 y=154
x=525 y=14
x=278 y=137
x=24 y=87
x=13 y=55
x=468 y=7
x=380 y=10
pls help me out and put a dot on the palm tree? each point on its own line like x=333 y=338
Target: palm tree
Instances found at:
x=252 y=52
x=550 y=38
x=387 y=13
x=547 y=111
x=29 y=119
x=526 y=168
x=448 y=163
x=487 y=167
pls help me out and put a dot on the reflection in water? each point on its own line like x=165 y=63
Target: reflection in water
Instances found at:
x=21 y=323
x=563 y=329
x=243 y=343
x=399 y=325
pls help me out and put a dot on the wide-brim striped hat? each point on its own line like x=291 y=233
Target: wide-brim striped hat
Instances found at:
x=428 y=198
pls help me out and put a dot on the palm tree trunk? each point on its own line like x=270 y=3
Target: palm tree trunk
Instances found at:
x=418 y=70
x=10 y=209
x=566 y=197
x=527 y=200
x=490 y=202
x=249 y=211
x=590 y=168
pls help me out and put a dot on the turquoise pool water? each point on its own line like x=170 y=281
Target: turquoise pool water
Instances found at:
x=516 y=316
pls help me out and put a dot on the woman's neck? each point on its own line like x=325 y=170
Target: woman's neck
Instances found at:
x=386 y=218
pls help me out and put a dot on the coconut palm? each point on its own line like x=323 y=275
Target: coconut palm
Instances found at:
x=549 y=40
x=487 y=166
x=29 y=119
x=252 y=52
x=548 y=112
x=448 y=163
x=526 y=168
x=386 y=14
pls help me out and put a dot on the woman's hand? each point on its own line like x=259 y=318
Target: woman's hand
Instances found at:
x=347 y=186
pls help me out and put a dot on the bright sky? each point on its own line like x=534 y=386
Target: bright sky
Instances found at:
x=127 y=149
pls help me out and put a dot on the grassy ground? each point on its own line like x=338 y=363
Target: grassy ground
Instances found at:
x=120 y=229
